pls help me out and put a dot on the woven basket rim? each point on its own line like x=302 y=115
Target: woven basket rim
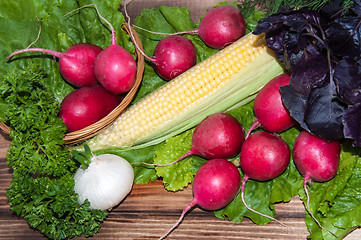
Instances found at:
x=102 y=124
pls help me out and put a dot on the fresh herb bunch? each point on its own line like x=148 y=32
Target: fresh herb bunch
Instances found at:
x=41 y=190
x=322 y=51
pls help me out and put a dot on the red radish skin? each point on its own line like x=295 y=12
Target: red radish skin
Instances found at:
x=219 y=135
x=76 y=64
x=263 y=157
x=87 y=105
x=174 y=55
x=221 y=26
x=215 y=185
x=316 y=159
x=114 y=68
x=269 y=109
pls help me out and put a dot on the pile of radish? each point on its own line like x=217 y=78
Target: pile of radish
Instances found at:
x=263 y=155
x=101 y=78
x=174 y=54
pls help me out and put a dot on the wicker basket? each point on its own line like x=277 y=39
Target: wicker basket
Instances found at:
x=92 y=130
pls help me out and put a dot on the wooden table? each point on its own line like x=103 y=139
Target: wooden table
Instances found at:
x=149 y=211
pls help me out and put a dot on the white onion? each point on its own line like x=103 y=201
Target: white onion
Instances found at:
x=105 y=183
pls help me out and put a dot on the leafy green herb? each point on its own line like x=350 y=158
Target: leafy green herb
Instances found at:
x=41 y=189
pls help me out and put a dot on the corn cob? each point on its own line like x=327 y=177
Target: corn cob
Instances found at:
x=227 y=80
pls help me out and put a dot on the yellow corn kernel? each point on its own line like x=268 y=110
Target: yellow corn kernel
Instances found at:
x=210 y=86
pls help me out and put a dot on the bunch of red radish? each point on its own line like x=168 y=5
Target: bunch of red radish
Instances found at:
x=263 y=155
x=101 y=78
x=175 y=54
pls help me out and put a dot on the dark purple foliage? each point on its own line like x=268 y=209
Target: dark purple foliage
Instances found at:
x=312 y=71
x=288 y=34
x=352 y=124
x=343 y=36
x=296 y=102
x=324 y=112
x=347 y=78
x=322 y=52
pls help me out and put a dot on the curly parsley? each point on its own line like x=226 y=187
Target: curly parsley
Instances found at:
x=41 y=190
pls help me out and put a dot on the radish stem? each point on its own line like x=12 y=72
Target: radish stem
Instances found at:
x=189 y=207
x=306 y=179
x=195 y=31
x=43 y=50
x=245 y=178
x=132 y=36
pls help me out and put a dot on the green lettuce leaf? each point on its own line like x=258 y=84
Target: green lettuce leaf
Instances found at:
x=178 y=175
x=336 y=203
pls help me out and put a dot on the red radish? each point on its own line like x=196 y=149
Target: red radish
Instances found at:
x=269 y=109
x=215 y=185
x=219 y=135
x=316 y=159
x=263 y=157
x=220 y=27
x=87 y=105
x=76 y=64
x=114 y=68
x=174 y=55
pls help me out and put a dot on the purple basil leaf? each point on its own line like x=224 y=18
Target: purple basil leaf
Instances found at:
x=352 y=124
x=348 y=80
x=289 y=33
x=295 y=102
x=311 y=72
x=343 y=36
x=324 y=112
x=331 y=8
